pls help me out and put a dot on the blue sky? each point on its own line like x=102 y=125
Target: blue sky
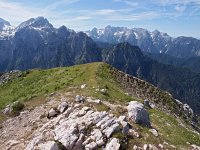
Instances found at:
x=176 y=17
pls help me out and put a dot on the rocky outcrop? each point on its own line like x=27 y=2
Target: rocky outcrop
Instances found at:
x=70 y=125
x=138 y=114
x=9 y=76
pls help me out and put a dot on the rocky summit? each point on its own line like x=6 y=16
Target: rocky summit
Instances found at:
x=92 y=106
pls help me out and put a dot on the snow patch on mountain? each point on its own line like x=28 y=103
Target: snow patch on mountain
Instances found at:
x=6 y=30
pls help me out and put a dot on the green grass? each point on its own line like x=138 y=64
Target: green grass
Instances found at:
x=37 y=83
x=171 y=131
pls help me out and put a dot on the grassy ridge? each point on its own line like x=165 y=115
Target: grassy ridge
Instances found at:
x=36 y=84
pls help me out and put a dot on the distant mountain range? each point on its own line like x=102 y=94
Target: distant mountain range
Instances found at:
x=152 y=42
x=37 y=44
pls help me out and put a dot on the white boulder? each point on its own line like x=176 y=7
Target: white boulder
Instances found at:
x=138 y=114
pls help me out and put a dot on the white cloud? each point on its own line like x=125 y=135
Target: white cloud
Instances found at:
x=59 y=3
x=134 y=17
x=128 y=2
x=82 y=18
x=16 y=12
x=180 y=8
x=105 y=12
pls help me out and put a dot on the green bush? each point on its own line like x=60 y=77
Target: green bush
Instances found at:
x=17 y=107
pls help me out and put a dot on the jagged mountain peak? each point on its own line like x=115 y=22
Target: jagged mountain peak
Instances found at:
x=148 y=41
x=6 y=30
x=39 y=23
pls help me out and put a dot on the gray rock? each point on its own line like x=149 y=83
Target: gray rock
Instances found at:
x=122 y=118
x=103 y=91
x=104 y=120
x=96 y=135
x=195 y=147
x=113 y=145
x=154 y=132
x=152 y=147
x=108 y=123
x=100 y=142
x=35 y=141
x=66 y=133
x=62 y=107
x=138 y=114
x=87 y=141
x=12 y=143
x=135 y=147
x=161 y=146
x=91 y=146
x=86 y=109
x=7 y=110
x=133 y=133
x=78 y=145
x=69 y=140
x=83 y=86
x=68 y=111
x=125 y=126
x=110 y=130
x=98 y=101
x=79 y=98
x=146 y=103
x=50 y=145
x=188 y=111
x=145 y=146
x=52 y=113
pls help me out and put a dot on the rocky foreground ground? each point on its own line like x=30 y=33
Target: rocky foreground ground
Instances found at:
x=73 y=123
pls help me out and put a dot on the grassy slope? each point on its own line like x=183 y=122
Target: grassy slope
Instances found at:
x=35 y=84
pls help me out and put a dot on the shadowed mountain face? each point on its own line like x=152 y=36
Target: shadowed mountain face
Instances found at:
x=152 y=42
x=182 y=83
x=188 y=63
x=37 y=44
